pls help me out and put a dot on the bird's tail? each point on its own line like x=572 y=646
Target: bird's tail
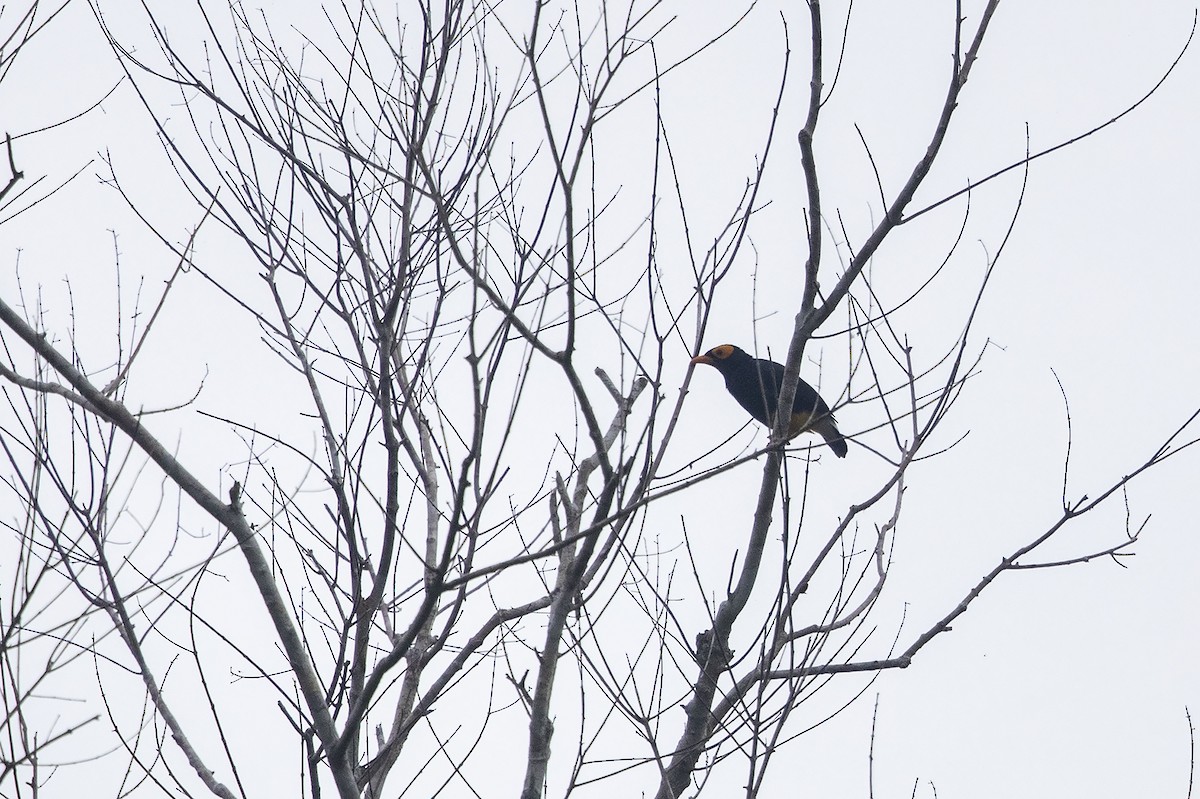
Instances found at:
x=827 y=429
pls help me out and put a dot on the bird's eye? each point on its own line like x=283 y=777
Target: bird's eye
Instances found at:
x=722 y=352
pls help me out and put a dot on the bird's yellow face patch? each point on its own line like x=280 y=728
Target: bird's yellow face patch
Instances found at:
x=715 y=354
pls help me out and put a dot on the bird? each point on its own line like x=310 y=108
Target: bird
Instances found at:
x=755 y=382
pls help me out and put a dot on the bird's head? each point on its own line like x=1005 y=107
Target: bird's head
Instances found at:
x=718 y=356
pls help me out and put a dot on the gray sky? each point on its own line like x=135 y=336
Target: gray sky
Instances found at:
x=1058 y=683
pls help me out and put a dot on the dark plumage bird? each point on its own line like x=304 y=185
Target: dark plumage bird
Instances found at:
x=755 y=384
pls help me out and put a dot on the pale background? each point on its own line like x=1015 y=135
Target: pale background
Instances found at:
x=1062 y=683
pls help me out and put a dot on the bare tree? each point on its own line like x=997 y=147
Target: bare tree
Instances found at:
x=437 y=539
x=42 y=636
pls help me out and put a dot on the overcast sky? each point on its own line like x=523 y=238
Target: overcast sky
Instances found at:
x=1058 y=683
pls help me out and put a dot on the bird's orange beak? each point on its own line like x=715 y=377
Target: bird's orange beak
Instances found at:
x=703 y=359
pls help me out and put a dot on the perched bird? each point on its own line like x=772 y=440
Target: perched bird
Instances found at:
x=755 y=384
